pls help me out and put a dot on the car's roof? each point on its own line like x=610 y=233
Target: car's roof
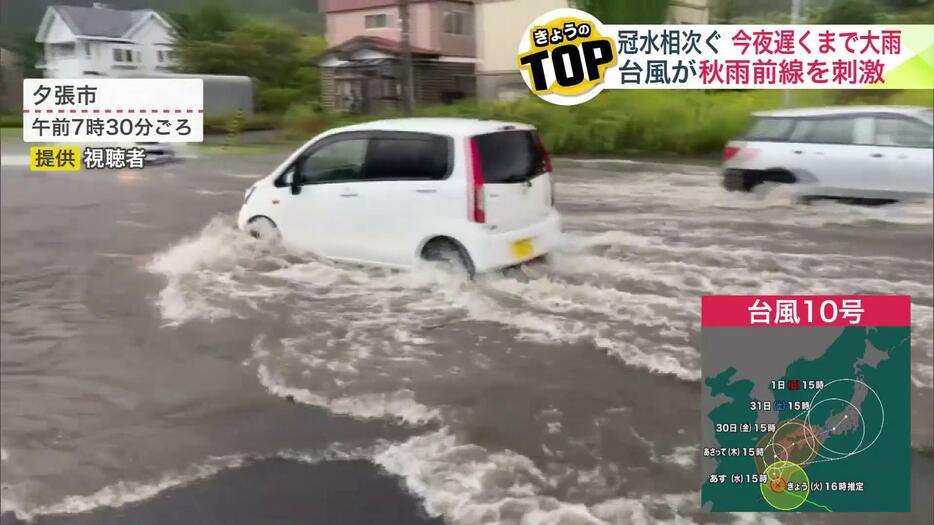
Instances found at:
x=457 y=127
x=842 y=110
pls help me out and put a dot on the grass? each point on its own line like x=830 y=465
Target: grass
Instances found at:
x=11 y=134
x=11 y=120
x=632 y=122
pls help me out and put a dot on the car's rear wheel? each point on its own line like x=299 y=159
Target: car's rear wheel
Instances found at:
x=449 y=253
x=263 y=229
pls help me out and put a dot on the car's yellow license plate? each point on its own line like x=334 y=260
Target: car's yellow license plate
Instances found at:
x=523 y=249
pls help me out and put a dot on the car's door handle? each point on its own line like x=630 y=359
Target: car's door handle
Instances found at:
x=425 y=190
x=798 y=151
x=876 y=155
x=348 y=194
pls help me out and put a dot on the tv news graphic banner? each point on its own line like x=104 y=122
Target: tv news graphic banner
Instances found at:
x=94 y=110
x=568 y=56
x=803 y=398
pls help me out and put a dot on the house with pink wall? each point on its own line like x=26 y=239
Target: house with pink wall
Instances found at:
x=361 y=70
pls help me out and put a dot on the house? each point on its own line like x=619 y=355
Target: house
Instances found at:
x=100 y=41
x=500 y=24
x=361 y=70
x=689 y=12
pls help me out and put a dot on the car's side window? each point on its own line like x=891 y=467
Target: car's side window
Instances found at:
x=770 y=128
x=407 y=156
x=338 y=161
x=802 y=130
x=832 y=131
x=894 y=131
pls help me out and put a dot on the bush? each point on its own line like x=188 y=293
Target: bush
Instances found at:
x=627 y=121
x=277 y=99
x=13 y=120
x=221 y=124
x=305 y=120
x=849 y=12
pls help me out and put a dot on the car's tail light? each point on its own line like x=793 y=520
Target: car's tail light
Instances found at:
x=546 y=164
x=476 y=208
x=730 y=151
x=543 y=153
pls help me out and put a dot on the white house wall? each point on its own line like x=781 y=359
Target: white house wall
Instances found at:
x=152 y=36
x=58 y=32
x=500 y=25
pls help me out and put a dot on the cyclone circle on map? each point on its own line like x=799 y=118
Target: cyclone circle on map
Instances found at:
x=794 y=440
x=871 y=390
x=787 y=485
x=862 y=438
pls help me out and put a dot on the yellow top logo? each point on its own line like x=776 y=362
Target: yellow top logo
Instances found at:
x=568 y=57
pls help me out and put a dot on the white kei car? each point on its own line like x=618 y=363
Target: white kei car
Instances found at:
x=862 y=153
x=392 y=192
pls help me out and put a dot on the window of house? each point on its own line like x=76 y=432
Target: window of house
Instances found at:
x=159 y=56
x=376 y=21
x=125 y=55
x=457 y=22
x=87 y=49
x=62 y=50
x=390 y=88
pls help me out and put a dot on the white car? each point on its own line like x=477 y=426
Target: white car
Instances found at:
x=394 y=192
x=157 y=152
x=879 y=153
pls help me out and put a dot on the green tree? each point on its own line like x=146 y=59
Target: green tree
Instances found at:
x=724 y=11
x=276 y=56
x=849 y=12
x=628 y=12
x=29 y=53
x=205 y=24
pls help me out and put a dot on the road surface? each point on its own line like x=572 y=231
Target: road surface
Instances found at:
x=158 y=366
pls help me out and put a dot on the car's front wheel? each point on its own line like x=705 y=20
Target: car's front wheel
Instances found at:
x=263 y=229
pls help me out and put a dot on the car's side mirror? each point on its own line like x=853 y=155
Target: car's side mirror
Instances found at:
x=295 y=180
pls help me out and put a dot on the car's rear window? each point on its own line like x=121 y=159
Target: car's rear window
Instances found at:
x=769 y=128
x=510 y=156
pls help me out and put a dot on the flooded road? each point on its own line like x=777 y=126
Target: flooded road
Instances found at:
x=159 y=366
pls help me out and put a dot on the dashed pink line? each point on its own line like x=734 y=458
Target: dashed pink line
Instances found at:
x=116 y=110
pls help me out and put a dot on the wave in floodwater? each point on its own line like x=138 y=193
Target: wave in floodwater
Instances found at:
x=380 y=344
x=16 y=500
x=602 y=289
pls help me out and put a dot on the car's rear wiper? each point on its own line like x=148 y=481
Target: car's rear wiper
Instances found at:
x=516 y=178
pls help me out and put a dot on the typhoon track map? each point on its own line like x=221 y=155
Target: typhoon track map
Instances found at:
x=806 y=419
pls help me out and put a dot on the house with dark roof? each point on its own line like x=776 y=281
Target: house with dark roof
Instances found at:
x=361 y=72
x=100 y=41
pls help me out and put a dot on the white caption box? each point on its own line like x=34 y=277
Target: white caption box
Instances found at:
x=87 y=110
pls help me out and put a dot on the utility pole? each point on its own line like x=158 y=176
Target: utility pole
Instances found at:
x=795 y=19
x=408 y=80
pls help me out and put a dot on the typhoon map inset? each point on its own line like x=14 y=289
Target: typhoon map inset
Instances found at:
x=801 y=419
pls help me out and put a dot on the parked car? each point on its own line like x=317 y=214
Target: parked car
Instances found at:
x=851 y=153
x=392 y=192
